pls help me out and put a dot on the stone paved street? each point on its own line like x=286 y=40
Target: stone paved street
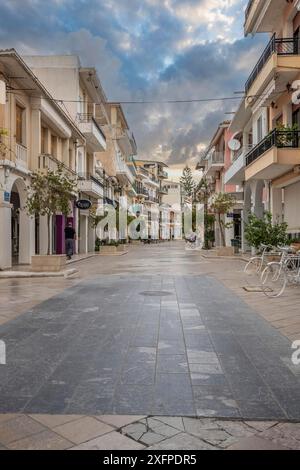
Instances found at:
x=158 y=332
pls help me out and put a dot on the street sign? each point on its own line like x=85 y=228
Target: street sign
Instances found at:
x=6 y=196
x=83 y=204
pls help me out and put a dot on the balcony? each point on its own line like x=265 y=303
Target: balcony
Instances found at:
x=275 y=155
x=235 y=174
x=152 y=199
x=163 y=190
x=21 y=155
x=162 y=174
x=281 y=57
x=90 y=185
x=152 y=180
x=95 y=137
x=48 y=162
x=123 y=172
x=215 y=162
x=140 y=191
x=262 y=16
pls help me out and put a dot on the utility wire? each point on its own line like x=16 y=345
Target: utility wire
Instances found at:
x=199 y=100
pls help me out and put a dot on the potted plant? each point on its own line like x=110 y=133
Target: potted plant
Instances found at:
x=263 y=230
x=48 y=194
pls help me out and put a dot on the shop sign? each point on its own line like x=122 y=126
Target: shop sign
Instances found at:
x=83 y=204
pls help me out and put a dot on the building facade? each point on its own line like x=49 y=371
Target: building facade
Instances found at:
x=36 y=135
x=266 y=124
x=214 y=164
x=55 y=113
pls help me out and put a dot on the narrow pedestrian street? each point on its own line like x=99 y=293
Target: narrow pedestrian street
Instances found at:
x=154 y=332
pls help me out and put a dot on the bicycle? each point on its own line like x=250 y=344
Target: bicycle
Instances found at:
x=277 y=275
x=256 y=264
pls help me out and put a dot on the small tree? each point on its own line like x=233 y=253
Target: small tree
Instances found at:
x=260 y=231
x=188 y=182
x=222 y=203
x=203 y=191
x=49 y=194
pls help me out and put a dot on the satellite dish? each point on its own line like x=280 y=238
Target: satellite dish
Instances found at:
x=234 y=145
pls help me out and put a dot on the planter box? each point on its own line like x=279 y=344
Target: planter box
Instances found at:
x=48 y=263
x=108 y=249
x=225 y=251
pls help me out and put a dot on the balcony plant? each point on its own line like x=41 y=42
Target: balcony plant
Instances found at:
x=48 y=194
x=260 y=231
x=287 y=135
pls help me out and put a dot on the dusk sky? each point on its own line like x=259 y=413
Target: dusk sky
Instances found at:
x=147 y=50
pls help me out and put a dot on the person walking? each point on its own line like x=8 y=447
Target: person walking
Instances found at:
x=69 y=238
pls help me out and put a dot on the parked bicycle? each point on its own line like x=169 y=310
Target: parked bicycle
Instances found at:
x=257 y=263
x=278 y=274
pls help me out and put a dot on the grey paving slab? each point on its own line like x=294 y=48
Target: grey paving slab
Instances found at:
x=100 y=347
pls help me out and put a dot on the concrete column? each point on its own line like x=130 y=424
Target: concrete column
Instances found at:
x=27 y=238
x=36 y=137
x=83 y=243
x=245 y=213
x=65 y=151
x=5 y=235
x=43 y=234
x=267 y=204
x=276 y=204
x=91 y=236
x=257 y=206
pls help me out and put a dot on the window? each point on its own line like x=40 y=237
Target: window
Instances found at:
x=19 y=125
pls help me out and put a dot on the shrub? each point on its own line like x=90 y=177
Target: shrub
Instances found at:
x=260 y=231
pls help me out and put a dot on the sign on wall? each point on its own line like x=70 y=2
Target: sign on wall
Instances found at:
x=83 y=204
x=6 y=196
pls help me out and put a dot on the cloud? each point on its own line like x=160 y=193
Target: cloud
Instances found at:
x=152 y=50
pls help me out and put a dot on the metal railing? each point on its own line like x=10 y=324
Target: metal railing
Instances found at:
x=48 y=162
x=282 y=46
x=90 y=177
x=89 y=118
x=140 y=189
x=152 y=199
x=163 y=173
x=163 y=190
x=276 y=138
x=215 y=158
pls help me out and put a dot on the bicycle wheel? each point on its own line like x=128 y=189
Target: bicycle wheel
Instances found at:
x=273 y=280
x=252 y=270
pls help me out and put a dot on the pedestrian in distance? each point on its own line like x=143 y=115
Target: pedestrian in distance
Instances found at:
x=70 y=235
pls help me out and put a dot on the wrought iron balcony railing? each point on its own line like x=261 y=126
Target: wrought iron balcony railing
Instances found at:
x=276 y=138
x=282 y=46
x=87 y=118
x=91 y=177
x=48 y=162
